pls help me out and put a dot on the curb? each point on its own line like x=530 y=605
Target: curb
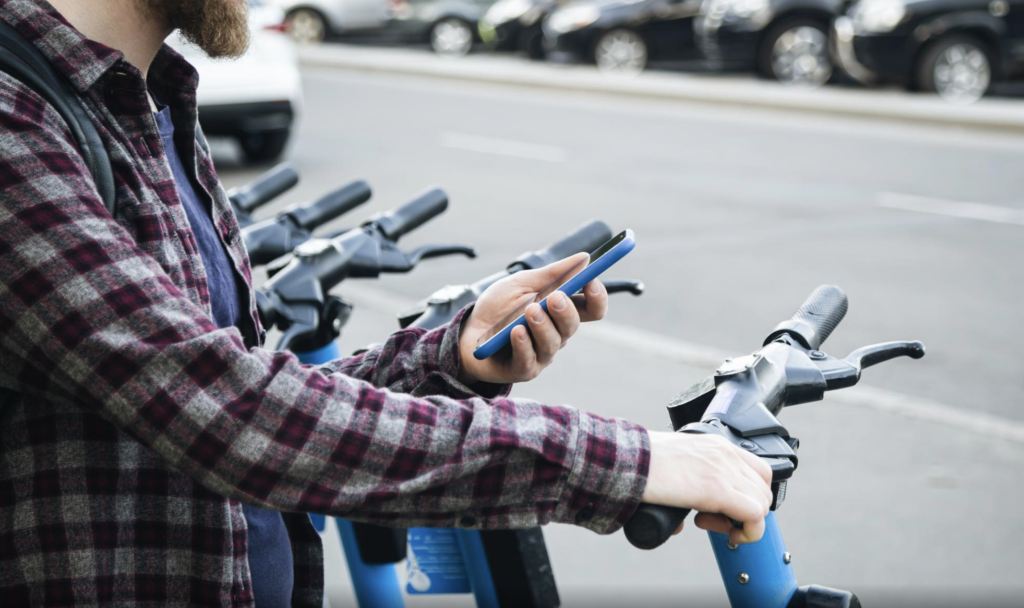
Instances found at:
x=992 y=115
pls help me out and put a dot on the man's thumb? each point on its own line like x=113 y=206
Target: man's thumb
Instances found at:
x=567 y=268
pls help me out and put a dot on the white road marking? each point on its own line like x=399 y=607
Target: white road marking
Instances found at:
x=651 y=344
x=503 y=147
x=938 y=206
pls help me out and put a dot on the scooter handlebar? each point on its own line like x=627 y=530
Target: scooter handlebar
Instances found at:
x=652 y=525
x=264 y=188
x=397 y=223
x=816 y=318
x=585 y=238
x=330 y=206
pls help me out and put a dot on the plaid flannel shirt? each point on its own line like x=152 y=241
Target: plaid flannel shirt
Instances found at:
x=132 y=428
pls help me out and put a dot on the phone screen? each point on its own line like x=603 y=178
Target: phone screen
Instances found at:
x=550 y=288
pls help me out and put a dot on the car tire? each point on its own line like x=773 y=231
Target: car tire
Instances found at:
x=533 y=45
x=306 y=26
x=451 y=36
x=959 y=67
x=620 y=51
x=796 y=52
x=264 y=146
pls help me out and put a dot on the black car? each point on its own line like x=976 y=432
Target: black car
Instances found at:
x=623 y=35
x=956 y=48
x=787 y=40
x=515 y=25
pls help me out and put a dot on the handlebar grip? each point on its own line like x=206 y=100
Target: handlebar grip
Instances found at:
x=265 y=188
x=410 y=216
x=586 y=238
x=331 y=205
x=814 y=321
x=651 y=525
x=822 y=310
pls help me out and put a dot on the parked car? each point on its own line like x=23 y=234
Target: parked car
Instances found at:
x=515 y=25
x=449 y=26
x=623 y=35
x=311 y=21
x=956 y=48
x=253 y=99
x=787 y=40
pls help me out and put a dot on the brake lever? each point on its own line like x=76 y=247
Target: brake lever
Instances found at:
x=393 y=259
x=624 y=285
x=843 y=373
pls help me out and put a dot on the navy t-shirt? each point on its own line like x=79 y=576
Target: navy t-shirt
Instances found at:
x=270 y=553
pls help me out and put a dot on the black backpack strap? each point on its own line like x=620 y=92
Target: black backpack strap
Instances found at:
x=23 y=61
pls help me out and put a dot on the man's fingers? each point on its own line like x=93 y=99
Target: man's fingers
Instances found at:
x=564 y=315
x=743 y=507
x=524 y=358
x=542 y=277
x=751 y=532
x=679 y=529
x=546 y=339
x=713 y=522
x=592 y=303
x=758 y=464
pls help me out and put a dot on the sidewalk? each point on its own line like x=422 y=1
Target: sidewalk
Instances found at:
x=1004 y=115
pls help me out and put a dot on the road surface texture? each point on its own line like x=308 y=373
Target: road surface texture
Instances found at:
x=909 y=486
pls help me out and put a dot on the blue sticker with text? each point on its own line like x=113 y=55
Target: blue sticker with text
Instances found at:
x=435 y=563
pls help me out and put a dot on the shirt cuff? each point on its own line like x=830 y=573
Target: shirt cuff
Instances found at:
x=608 y=474
x=444 y=380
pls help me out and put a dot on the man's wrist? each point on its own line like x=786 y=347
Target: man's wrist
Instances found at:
x=465 y=376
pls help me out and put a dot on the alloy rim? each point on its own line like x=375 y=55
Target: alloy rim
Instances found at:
x=962 y=73
x=306 y=27
x=800 y=57
x=451 y=37
x=621 y=52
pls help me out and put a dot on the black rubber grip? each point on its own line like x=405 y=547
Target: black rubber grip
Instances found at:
x=265 y=188
x=586 y=238
x=822 y=310
x=324 y=209
x=652 y=525
x=410 y=216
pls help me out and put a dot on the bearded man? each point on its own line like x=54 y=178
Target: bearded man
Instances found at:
x=152 y=453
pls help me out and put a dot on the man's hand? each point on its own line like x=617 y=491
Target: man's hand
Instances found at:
x=712 y=476
x=549 y=332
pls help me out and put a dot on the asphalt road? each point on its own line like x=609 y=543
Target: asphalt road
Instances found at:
x=738 y=216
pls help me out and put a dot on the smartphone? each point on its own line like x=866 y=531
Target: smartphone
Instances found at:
x=569 y=283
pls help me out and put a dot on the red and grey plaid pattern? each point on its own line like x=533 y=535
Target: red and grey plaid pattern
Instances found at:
x=131 y=428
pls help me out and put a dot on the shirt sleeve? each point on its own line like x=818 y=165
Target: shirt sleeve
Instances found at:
x=418 y=362
x=88 y=318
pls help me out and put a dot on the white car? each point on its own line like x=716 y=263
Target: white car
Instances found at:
x=313 y=20
x=256 y=98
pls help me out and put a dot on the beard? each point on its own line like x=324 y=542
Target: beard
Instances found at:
x=219 y=27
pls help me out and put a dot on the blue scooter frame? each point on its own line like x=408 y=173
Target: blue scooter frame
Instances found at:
x=758 y=575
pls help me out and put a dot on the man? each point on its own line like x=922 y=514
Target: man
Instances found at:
x=153 y=453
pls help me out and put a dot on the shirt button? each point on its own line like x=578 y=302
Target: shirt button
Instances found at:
x=586 y=514
x=468 y=521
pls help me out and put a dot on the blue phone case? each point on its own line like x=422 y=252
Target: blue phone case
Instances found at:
x=573 y=285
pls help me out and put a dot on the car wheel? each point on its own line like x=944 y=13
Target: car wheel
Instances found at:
x=306 y=26
x=263 y=147
x=533 y=44
x=957 y=67
x=620 y=51
x=796 y=52
x=451 y=36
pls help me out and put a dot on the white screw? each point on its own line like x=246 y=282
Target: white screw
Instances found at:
x=744 y=578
